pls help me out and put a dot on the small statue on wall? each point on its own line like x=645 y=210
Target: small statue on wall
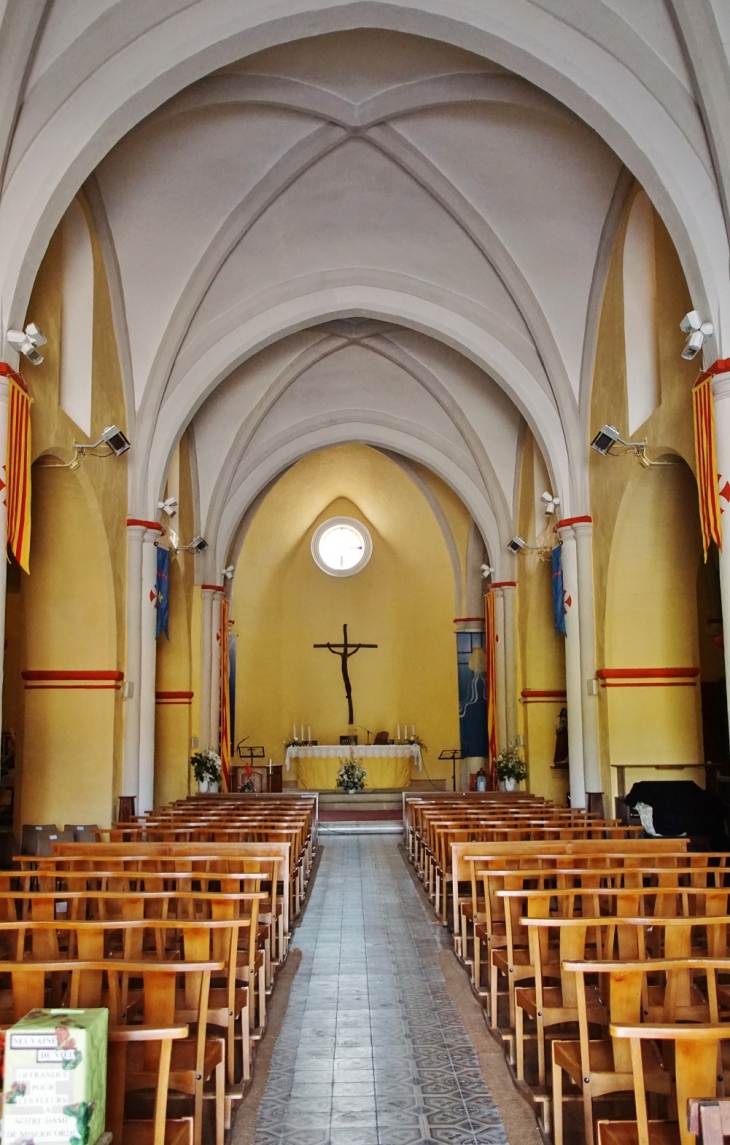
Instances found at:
x=560 y=759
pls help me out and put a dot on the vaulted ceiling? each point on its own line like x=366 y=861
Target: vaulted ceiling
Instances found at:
x=376 y=222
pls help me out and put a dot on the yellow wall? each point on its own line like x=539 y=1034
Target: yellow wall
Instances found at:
x=403 y=601
x=646 y=538
x=541 y=653
x=70 y=613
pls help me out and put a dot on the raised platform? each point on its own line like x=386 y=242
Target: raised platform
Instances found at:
x=367 y=812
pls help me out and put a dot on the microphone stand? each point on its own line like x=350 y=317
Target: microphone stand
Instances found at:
x=369 y=733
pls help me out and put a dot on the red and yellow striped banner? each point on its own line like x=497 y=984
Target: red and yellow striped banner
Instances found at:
x=17 y=470
x=706 y=455
x=225 y=698
x=491 y=642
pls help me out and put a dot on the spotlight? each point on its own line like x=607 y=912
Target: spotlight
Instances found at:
x=551 y=503
x=486 y=570
x=112 y=436
x=197 y=545
x=26 y=342
x=169 y=506
x=698 y=332
x=516 y=545
x=228 y=571
x=606 y=437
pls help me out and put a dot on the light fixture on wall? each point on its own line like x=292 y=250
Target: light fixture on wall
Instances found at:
x=228 y=571
x=112 y=436
x=27 y=341
x=486 y=570
x=608 y=436
x=551 y=503
x=169 y=506
x=519 y=545
x=197 y=545
x=698 y=332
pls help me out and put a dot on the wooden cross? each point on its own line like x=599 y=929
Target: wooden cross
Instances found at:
x=345 y=651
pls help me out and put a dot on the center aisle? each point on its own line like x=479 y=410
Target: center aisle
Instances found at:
x=372 y=1050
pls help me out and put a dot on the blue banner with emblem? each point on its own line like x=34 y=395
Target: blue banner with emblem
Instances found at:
x=556 y=559
x=163 y=592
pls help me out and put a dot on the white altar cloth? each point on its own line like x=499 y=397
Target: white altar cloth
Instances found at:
x=387 y=765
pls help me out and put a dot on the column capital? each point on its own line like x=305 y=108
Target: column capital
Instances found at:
x=583 y=527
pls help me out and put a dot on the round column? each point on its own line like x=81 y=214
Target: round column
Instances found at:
x=510 y=674
x=583 y=530
x=721 y=394
x=208 y=592
x=501 y=668
x=135 y=535
x=573 y=675
x=215 y=669
x=4 y=391
x=148 y=672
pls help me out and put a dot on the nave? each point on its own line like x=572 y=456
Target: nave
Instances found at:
x=372 y=1050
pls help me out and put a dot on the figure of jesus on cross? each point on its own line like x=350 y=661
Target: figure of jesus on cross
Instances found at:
x=345 y=651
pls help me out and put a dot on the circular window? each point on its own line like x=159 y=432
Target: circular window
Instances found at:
x=341 y=546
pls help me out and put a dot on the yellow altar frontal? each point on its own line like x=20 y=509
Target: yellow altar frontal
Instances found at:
x=387 y=765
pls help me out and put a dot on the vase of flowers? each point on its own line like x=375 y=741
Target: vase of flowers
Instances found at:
x=351 y=776
x=510 y=769
x=206 y=767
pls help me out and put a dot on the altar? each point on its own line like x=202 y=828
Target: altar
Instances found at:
x=387 y=765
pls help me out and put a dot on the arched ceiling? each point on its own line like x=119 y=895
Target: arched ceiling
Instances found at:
x=376 y=222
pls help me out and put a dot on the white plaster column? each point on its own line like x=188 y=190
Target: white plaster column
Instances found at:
x=510 y=672
x=721 y=393
x=208 y=592
x=573 y=675
x=4 y=391
x=135 y=535
x=583 y=531
x=148 y=672
x=215 y=670
x=501 y=668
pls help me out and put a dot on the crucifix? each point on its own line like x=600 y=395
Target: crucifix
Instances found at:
x=345 y=651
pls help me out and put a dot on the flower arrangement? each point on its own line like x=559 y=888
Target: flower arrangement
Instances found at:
x=509 y=767
x=351 y=776
x=294 y=741
x=248 y=784
x=206 y=766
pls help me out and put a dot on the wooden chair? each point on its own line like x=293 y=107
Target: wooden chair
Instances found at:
x=696 y=1050
x=159 y=1131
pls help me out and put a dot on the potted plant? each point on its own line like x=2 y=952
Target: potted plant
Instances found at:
x=206 y=765
x=510 y=769
x=351 y=776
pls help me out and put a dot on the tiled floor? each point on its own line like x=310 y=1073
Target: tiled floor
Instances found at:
x=372 y=1050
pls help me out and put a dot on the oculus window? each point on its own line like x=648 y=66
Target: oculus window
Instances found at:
x=341 y=546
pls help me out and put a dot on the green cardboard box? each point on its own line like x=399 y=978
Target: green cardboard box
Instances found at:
x=55 y=1078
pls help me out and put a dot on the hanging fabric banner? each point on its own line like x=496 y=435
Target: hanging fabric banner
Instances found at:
x=225 y=691
x=163 y=592
x=17 y=468
x=491 y=643
x=556 y=561
x=707 y=476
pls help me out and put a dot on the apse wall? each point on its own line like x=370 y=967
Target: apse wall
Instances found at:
x=403 y=601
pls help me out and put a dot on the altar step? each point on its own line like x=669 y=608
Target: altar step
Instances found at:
x=366 y=813
x=384 y=800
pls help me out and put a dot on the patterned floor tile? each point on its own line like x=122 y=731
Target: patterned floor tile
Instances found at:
x=370 y=1031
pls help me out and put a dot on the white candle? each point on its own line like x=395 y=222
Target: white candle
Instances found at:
x=413 y=729
x=309 y=733
x=295 y=731
x=269 y=766
x=398 y=731
x=302 y=729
